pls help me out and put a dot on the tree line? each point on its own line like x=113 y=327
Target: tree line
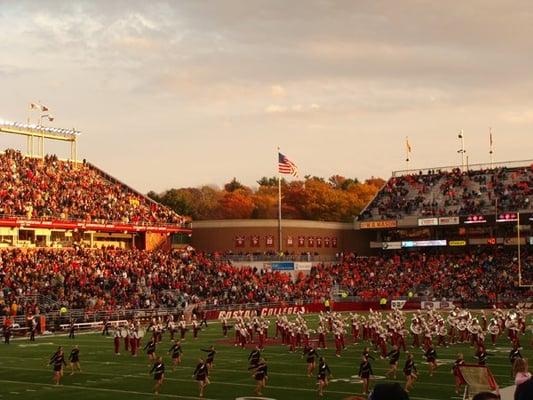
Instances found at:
x=313 y=198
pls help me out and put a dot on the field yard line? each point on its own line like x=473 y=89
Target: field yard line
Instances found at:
x=174 y=396
x=216 y=382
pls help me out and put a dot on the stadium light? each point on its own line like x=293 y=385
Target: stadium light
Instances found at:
x=38 y=129
x=462 y=151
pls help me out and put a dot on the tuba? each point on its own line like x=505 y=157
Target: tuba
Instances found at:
x=493 y=328
x=416 y=328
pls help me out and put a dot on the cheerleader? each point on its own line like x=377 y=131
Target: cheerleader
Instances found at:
x=431 y=358
x=74 y=359
x=365 y=370
x=254 y=357
x=311 y=356
x=394 y=357
x=58 y=361
x=324 y=373
x=175 y=352
x=201 y=374
x=195 y=329
x=410 y=372
x=460 y=361
x=210 y=356
x=150 y=349
x=260 y=374
x=158 y=369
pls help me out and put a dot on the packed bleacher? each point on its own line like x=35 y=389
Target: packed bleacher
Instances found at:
x=50 y=188
x=109 y=279
x=453 y=193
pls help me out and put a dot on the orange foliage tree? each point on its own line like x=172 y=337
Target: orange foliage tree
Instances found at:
x=335 y=199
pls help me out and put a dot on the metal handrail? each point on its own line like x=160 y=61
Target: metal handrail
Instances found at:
x=24 y=217
x=473 y=167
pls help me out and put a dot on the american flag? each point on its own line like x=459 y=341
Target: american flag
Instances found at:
x=286 y=166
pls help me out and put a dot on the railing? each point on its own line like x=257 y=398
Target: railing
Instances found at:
x=470 y=167
x=58 y=218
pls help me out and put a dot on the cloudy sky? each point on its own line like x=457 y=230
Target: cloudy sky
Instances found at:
x=183 y=93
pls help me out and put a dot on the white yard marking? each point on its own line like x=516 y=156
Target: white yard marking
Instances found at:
x=96 y=389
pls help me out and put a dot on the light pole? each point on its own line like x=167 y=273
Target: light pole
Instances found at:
x=462 y=150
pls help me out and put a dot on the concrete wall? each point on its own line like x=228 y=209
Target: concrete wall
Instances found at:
x=220 y=235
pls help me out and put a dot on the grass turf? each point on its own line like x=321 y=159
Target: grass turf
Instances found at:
x=25 y=374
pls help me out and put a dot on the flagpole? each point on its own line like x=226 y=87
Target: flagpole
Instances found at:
x=407 y=152
x=491 y=152
x=280 y=247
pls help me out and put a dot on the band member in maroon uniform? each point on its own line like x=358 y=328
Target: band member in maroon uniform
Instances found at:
x=321 y=338
x=116 y=341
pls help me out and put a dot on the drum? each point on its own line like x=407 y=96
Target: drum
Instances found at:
x=124 y=332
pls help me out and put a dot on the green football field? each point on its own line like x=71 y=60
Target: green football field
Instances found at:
x=24 y=373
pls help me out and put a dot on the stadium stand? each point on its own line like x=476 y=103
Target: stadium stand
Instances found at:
x=107 y=279
x=453 y=193
x=50 y=188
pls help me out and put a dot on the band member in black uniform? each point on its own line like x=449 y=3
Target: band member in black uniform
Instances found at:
x=365 y=370
x=431 y=358
x=481 y=355
x=150 y=347
x=254 y=357
x=176 y=352
x=210 y=356
x=71 y=329
x=201 y=374
x=394 y=357
x=460 y=361
x=324 y=373
x=74 y=359
x=410 y=372
x=311 y=355
x=58 y=361
x=260 y=374
x=158 y=369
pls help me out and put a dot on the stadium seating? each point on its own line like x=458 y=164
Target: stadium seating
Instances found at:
x=109 y=279
x=453 y=193
x=50 y=188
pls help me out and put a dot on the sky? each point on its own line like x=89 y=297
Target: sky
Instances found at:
x=186 y=93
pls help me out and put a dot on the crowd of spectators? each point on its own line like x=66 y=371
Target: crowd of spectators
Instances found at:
x=110 y=279
x=51 y=188
x=453 y=193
